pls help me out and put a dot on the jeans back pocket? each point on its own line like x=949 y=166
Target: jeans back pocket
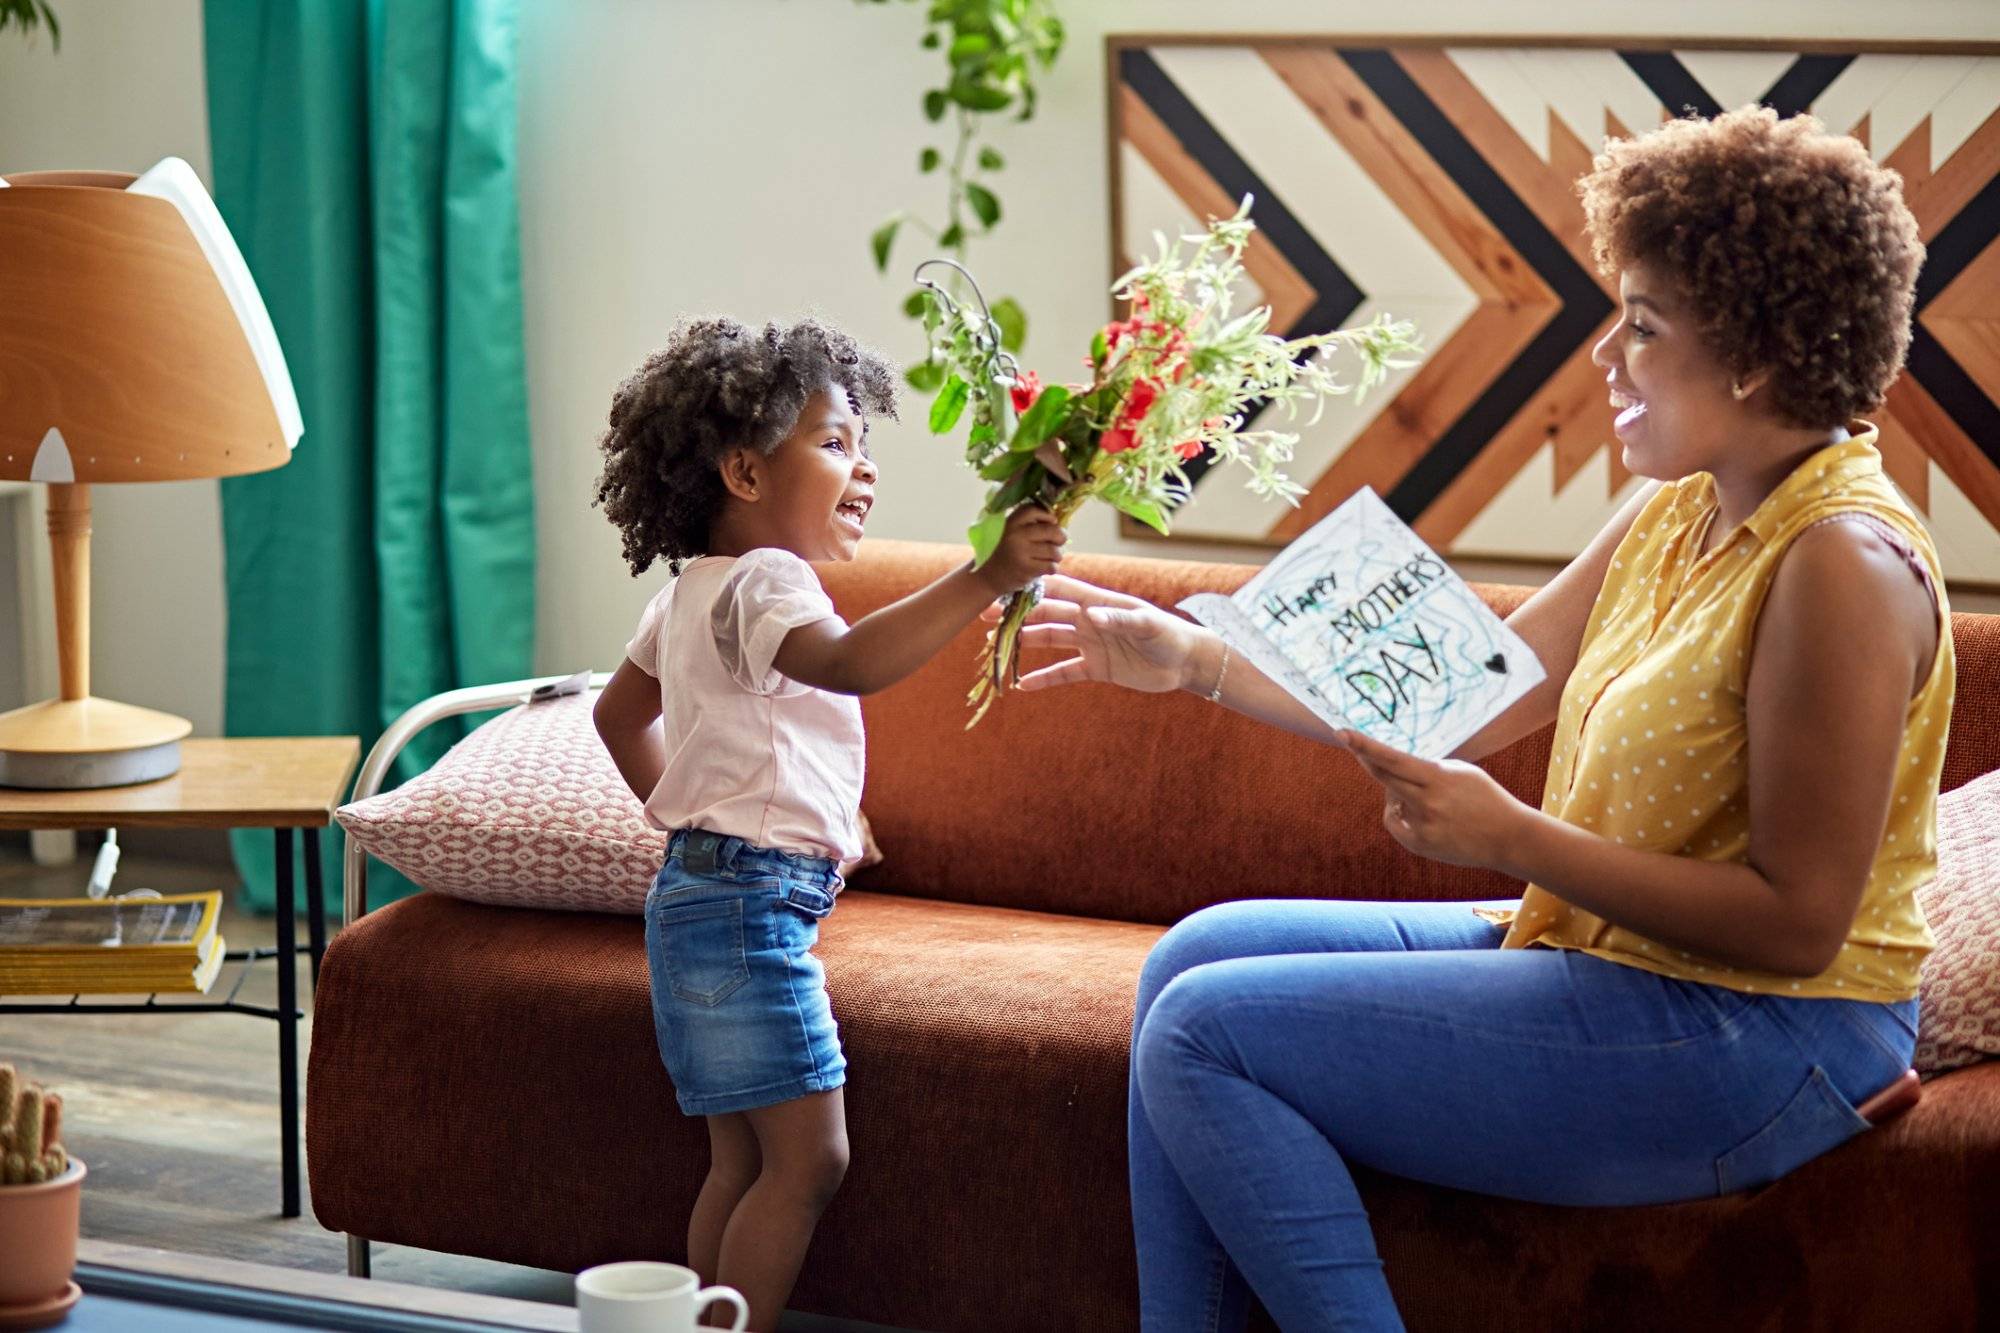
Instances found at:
x=1816 y=1120
x=701 y=950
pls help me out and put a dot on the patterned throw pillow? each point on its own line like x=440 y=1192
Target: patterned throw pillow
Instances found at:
x=1959 y=1004
x=527 y=811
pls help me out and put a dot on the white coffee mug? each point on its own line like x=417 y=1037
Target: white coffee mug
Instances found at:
x=647 y=1297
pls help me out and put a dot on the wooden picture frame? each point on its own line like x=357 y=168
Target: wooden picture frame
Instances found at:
x=1432 y=176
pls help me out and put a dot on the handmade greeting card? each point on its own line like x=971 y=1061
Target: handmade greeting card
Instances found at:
x=1362 y=623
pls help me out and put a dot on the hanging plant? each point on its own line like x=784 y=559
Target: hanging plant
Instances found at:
x=993 y=51
x=27 y=14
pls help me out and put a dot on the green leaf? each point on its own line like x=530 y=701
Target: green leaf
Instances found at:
x=984 y=205
x=980 y=96
x=928 y=160
x=985 y=536
x=916 y=303
x=1013 y=322
x=952 y=237
x=1042 y=420
x=990 y=160
x=1052 y=39
x=949 y=405
x=969 y=46
x=924 y=376
x=1023 y=487
x=1003 y=467
x=884 y=237
x=1144 y=510
x=1099 y=348
x=934 y=104
x=931 y=41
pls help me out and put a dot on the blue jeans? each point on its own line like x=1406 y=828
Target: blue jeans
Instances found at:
x=1276 y=1043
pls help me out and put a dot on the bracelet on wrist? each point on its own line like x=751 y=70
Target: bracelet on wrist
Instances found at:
x=1214 y=696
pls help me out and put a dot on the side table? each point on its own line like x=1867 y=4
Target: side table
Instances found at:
x=280 y=783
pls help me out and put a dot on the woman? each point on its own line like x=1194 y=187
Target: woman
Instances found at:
x=1750 y=676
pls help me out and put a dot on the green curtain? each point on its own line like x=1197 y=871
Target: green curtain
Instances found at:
x=364 y=156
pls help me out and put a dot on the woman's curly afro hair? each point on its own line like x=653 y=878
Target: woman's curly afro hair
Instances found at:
x=1793 y=249
x=716 y=387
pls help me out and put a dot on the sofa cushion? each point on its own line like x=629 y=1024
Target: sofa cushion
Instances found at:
x=1959 y=1007
x=1236 y=809
x=505 y=1061
x=527 y=811
x=1202 y=804
x=486 y=1082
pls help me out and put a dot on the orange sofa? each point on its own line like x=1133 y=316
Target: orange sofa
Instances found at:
x=485 y=1080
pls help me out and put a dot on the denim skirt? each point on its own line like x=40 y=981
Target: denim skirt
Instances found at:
x=739 y=1000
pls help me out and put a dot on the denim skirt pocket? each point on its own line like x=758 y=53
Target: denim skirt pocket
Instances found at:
x=701 y=949
x=1815 y=1120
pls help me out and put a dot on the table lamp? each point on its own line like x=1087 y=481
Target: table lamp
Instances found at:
x=133 y=347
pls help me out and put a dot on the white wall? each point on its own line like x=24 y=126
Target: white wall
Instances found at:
x=124 y=91
x=716 y=155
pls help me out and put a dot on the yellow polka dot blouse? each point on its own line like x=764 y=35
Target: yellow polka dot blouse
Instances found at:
x=1651 y=745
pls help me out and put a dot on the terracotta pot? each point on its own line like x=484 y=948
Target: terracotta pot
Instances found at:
x=38 y=1235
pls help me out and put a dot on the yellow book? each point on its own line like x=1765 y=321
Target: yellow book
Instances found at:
x=53 y=946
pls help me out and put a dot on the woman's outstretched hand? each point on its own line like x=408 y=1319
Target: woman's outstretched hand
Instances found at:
x=1114 y=638
x=1446 y=810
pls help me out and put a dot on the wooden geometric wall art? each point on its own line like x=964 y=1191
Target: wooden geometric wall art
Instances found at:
x=1433 y=178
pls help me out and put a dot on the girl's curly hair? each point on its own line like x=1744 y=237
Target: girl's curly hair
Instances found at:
x=1794 y=250
x=716 y=387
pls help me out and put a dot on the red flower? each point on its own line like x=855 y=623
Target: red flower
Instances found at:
x=1027 y=388
x=1189 y=450
x=1117 y=440
x=1140 y=400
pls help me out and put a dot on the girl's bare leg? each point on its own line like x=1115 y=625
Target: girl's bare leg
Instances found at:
x=803 y=1143
x=733 y=1163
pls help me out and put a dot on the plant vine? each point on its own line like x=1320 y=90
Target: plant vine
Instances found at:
x=994 y=50
x=29 y=14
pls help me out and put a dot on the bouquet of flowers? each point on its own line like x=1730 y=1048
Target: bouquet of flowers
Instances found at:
x=1178 y=376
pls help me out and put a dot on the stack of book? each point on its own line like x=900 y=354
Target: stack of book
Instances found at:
x=121 y=946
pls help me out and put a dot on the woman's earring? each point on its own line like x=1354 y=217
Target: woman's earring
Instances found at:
x=1736 y=390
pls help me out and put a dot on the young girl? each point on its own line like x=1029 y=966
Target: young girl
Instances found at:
x=737 y=456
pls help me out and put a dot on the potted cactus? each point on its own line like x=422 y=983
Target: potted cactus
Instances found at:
x=40 y=1203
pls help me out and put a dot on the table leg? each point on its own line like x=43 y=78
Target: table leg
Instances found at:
x=288 y=1027
x=315 y=904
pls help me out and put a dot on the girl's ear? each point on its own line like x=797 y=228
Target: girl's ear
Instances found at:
x=743 y=474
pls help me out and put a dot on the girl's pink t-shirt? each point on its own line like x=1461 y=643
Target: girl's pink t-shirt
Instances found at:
x=750 y=752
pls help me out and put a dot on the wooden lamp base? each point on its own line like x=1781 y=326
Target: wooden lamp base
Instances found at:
x=78 y=741
x=68 y=744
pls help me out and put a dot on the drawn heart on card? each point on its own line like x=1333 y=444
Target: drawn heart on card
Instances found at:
x=1497 y=664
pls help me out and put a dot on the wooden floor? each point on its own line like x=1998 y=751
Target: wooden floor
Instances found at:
x=177 y=1116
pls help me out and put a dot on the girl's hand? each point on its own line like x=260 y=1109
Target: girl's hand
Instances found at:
x=1030 y=548
x=1448 y=810
x=871 y=855
x=1116 y=638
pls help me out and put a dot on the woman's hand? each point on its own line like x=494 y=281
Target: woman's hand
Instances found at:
x=1115 y=638
x=1448 y=810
